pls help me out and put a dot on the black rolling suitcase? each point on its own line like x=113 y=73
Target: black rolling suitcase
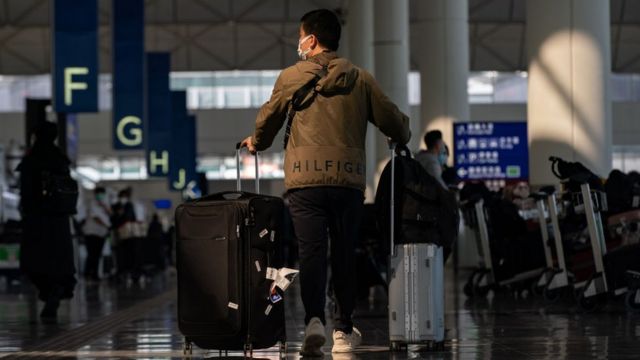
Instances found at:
x=226 y=244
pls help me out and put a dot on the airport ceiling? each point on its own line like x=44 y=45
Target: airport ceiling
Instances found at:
x=205 y=35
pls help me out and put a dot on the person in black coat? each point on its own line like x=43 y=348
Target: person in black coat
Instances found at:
x=46 y=254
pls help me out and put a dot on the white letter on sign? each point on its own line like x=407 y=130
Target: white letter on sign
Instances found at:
x=162 y=161
x=136 y=133
x=182 y=180
x=69 y=85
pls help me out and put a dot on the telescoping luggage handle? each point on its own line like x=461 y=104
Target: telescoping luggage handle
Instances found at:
x=392 y=148
x=392 y=215
x=238 y=182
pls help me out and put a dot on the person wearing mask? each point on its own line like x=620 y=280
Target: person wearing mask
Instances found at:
x=435 y=157
x=156 y=244
x=46 y=253
x=96 y=229
x=327 y=103
x=126 y=233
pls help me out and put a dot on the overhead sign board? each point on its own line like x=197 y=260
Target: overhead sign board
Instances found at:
x=158 y=114
x=75 y=56
x=491 y=150
x=128 y=74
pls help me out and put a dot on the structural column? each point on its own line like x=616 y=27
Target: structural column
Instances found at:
x=442 y=44
x=569 y=108
x=359 y=36
x=391 y=50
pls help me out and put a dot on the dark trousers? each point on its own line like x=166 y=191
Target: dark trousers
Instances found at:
x=94 y=252
x=313 y=212
x=128 y=255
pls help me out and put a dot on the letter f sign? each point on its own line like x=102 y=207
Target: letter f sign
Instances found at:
x=70 y=85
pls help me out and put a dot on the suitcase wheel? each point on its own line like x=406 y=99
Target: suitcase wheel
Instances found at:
x=248 y=349
x=396 y=346
x=283 y=348
x=187 y=348
x=632 y=301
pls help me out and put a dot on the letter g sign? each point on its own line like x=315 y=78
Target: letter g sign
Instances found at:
x=132 y=137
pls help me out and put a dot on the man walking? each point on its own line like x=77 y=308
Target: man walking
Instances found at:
x=327 y=103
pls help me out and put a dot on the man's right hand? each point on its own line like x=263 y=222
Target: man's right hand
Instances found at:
x=248 y=143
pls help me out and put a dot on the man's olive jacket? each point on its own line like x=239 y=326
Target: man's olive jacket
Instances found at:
x=327 y=142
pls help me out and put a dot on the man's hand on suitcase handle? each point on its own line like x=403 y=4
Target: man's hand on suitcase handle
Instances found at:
x=398 y=148
x=248 y=143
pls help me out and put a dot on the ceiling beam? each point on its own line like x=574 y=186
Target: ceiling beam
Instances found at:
x=479 y=6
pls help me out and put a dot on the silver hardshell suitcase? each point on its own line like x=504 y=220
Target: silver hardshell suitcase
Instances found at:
x=416 y=289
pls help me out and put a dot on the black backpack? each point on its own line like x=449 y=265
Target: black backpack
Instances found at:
x=59 y=194
x=425 y=212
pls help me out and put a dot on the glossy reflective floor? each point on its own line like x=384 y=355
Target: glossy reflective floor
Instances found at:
x=139 y=321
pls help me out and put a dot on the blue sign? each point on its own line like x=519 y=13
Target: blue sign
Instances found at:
x=491 y=150
x=162 y=204
x=75 y=56
x=182 y=164
x=128 y=74
x=157 y=127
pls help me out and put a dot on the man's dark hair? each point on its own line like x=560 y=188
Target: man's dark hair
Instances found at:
x=431 y=138
x=324 y=24
x=46 y=132
x=99 y=190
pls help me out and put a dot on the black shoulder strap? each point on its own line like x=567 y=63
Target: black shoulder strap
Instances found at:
x=298 y=100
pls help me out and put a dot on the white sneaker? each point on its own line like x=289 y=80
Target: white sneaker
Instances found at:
x=345 y=343
x=314 y=338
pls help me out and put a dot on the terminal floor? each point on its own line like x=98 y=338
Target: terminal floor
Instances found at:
x=109 y=321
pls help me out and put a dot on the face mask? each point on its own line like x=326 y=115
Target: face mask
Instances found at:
x=302 y=54
x=442 y=158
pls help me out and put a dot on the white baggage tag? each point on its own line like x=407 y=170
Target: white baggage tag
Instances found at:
x=258 y=266
x=285 y=278
x=273 y=236
x=272 y=273
x=282 y=282
x=264 y=233
x=289 y=273
x=268 y=310
x=233 y=305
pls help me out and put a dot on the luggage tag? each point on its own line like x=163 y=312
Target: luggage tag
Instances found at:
x=275 y=297
x=268 y=310
x=263 y=233
x=233 y=305
x=271 y=274
x=258 y=266
x=284 y=278
x=273 y=235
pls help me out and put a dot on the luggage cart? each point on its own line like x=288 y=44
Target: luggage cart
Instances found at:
x=592 y=293
x=555 y=279
x=484 y=279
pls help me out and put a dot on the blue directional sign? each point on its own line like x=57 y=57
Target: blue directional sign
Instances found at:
x=182 y=163
x=75 y=56
x=491 y=150
x=128 y=74
x=157 y=121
